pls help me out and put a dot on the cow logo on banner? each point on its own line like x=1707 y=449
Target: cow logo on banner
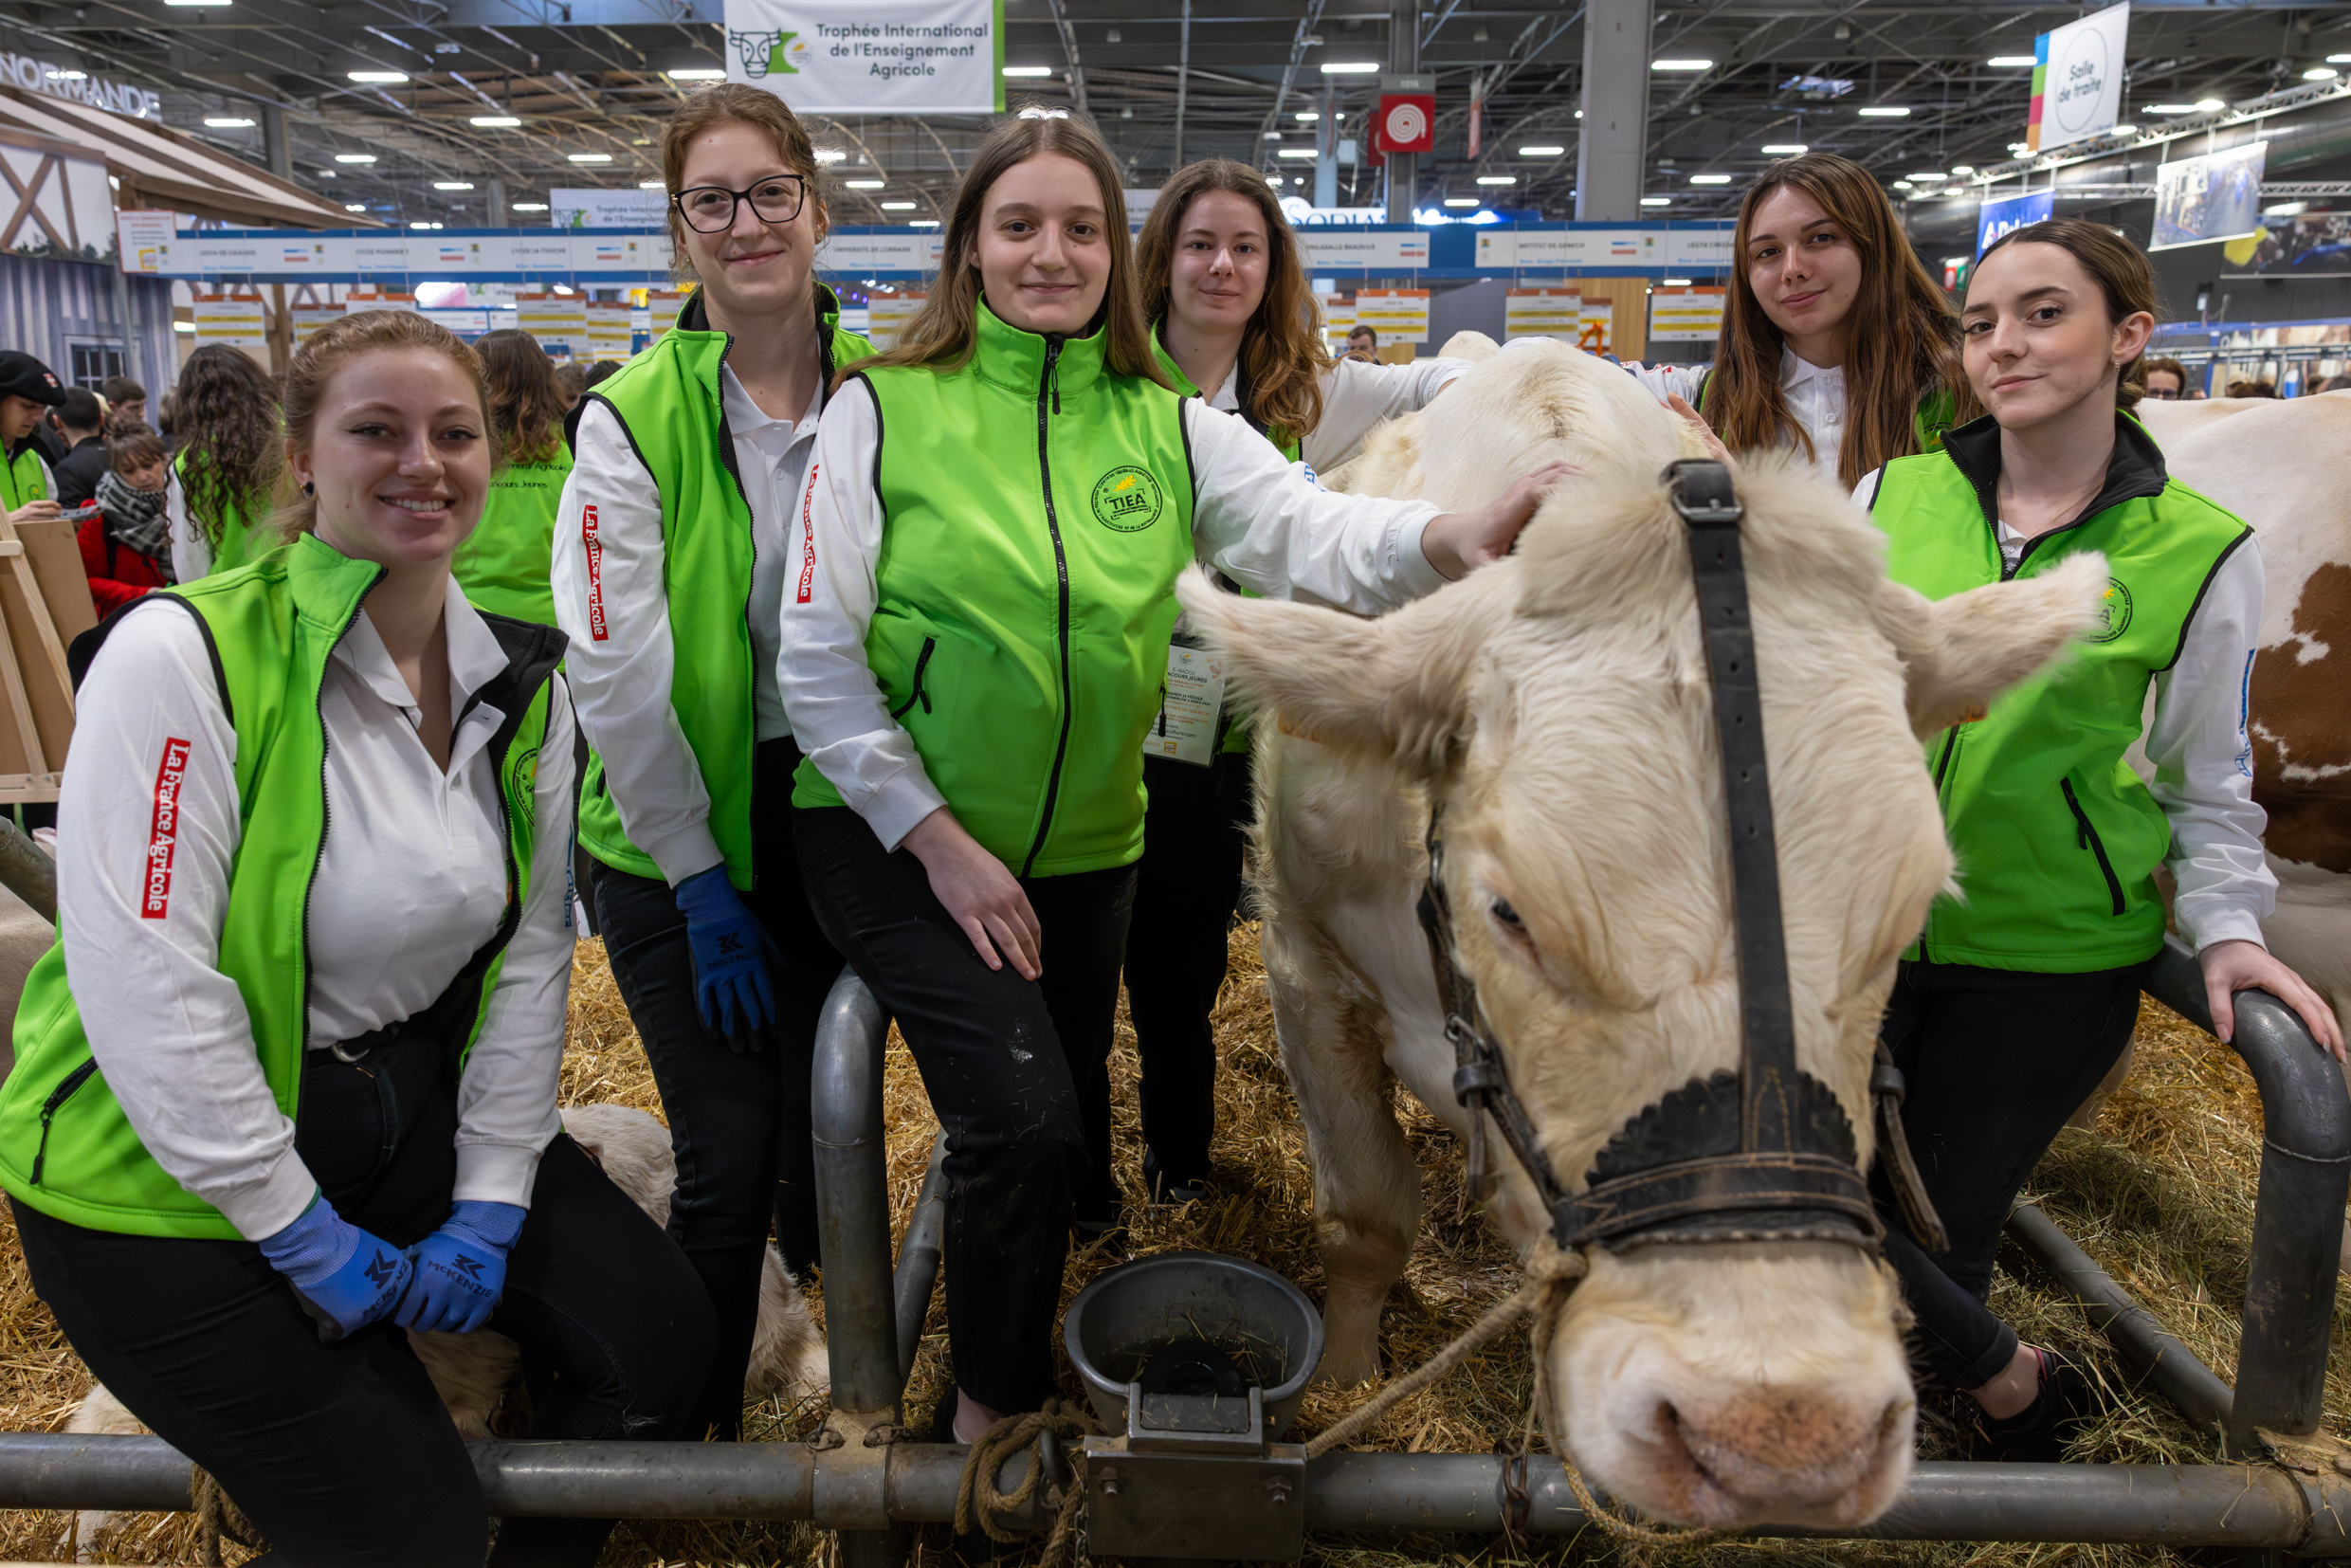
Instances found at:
x=1128 y=499
x=874 y=57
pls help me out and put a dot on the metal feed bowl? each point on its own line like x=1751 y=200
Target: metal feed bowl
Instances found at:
x=1118 y=1320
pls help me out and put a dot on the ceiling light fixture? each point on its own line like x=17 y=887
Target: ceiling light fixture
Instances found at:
x=2321 y=73
x=830 y=155
x=228 y=123
x=898 y=206
x=1710 y=180
x=1656 y=201
x=1349 y=67
x=452 y=185
x=1293 y=152
x=590 y=157
x=864 y=185
x=2208 y=106
x=528 y=206
x=355 y=158
x=1959 y=168
x=2171 y=108
x=1681 y=65
x=1498 y=180
x=195 y=2
x=1306 y=115
x=923 y=222
x=383 y=78
x=697 y=73
x=1785 y=149
x=1542 y=152
x=1028 y=70
x=496 y=123
x=652 y=185
x=1461 y=201
x=2013 y=62
x=354 y=207
x=1884 y=110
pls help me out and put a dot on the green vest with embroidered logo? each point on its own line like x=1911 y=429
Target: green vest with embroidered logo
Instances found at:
x=66 y=1146
x=670 y=401
x=1237 y=730
x=235 y=546
x=20 y=479
x=2057 y=838
x=1036 y=512
x=504 y=566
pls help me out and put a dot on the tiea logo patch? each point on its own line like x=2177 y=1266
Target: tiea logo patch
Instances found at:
x=2114 y=612
x=1128 y=500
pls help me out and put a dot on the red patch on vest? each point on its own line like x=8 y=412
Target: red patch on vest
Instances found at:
x=163 y=835
x=595 y=575
x=808 y=537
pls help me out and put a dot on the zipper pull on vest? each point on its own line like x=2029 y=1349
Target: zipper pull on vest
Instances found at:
x=1052 y=367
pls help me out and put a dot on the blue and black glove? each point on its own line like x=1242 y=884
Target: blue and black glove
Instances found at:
x=461 y=1269
x=732 y=988
x=345 y=1278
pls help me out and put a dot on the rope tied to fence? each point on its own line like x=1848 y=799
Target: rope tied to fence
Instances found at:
x=218 y=1518
x=980 y=1505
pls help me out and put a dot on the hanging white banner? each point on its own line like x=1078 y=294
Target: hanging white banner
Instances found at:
x=874 y=57
x=2077 y=78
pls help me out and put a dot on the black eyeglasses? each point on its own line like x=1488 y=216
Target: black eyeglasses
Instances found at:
x=2161 y=394
x=710 y=208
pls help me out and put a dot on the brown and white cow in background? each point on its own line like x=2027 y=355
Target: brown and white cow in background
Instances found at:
x=1558 y=703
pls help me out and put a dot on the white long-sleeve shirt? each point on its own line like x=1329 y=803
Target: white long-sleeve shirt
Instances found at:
x=410 y=881
x=622 y=679
x=1356 y=397
x=2203 y=762
x=1814 y=396
x=1260 y=520
x=191 y=558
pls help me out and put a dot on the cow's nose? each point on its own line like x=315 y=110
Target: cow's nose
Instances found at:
x=1797 y=1448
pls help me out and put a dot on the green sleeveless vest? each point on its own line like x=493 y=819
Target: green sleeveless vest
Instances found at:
x=504 y=566
x=670 y=401
x=2056 y=836
x=1037 y=510
x=20 y=479
x=66 y=1146
x=1937 y=413
x=236 y=542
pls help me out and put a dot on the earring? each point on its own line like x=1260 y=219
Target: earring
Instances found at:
x=308 y=488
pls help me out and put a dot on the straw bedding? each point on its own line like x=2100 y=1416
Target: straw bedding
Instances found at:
x=2160 y=1193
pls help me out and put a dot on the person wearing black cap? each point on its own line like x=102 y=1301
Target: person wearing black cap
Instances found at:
x=27 y=391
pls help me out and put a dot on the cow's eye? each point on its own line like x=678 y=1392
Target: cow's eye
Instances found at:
x=1508 y=916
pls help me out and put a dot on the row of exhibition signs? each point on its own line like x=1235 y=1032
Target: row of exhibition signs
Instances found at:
x=2212 y=198
x=567 y=325
x=1401 y=314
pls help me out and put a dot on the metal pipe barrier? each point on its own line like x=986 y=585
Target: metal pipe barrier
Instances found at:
x=919 y=1261
x=2245 y=1506
x=27 y=870
x=2298 y=1217
x=2146 y=1348
x=853 y=1240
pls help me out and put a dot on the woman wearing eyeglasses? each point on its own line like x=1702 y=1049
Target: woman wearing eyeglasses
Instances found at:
x=673 y=553
x=2167 y=380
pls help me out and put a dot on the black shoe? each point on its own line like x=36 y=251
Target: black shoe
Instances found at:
x=2037 y=1433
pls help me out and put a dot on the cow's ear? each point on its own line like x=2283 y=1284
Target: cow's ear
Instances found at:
x=1961 y=652
x=1388 y=691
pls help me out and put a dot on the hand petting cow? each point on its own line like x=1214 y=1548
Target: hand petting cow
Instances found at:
x=1558 y=707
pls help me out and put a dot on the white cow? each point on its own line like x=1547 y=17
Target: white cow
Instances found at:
x=477 y=1374
x=1558 y=705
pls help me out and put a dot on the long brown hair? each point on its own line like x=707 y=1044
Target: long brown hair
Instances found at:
x=1901 y=336
x=942 y=333
x=226 y=420
x=336 y=345
x=1282 y=356
x=2123 y=277
x=527 y=405
x=732 y=104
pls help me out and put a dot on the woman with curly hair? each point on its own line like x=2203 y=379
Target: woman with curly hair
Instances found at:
x=227 y=419
x=504 y=567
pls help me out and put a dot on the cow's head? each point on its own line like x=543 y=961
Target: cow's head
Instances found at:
x=1558 y=706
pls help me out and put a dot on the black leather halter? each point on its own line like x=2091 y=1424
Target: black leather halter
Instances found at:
x=1766 y=1153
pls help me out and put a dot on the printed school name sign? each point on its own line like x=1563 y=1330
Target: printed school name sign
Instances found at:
x=876 y=57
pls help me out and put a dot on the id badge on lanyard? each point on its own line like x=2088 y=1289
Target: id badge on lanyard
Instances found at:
x=1186 y=728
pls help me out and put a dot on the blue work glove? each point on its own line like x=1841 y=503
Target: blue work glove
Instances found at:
x=461 y=1269
x=731 y=950
x=344 y=1277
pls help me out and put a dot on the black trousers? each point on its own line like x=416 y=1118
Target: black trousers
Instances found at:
x=1017 y=1071
x=342 y=1454
x=1186 y=888
x=1995 y=1060
x=738 y=1124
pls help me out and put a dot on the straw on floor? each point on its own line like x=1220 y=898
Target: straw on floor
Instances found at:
x=2160 y=1193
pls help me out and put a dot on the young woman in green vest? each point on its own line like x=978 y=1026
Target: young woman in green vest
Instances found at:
x=285 y=1086
x=674 y=550
x=504 y=566
x=1235 y=321
x=2020 y=994
x=992 y=527
x=1835 y=342
x=29 y=390
x=225 y=479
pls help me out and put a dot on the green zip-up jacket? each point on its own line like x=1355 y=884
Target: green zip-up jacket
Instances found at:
x=20 y=479
x=1037 y=510
x=235 y=547
x=66 y=1148
x=670 y=402
x=503 y=565
x=2056 y=836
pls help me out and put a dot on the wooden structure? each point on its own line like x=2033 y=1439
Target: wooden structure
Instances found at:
x=44 y=604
